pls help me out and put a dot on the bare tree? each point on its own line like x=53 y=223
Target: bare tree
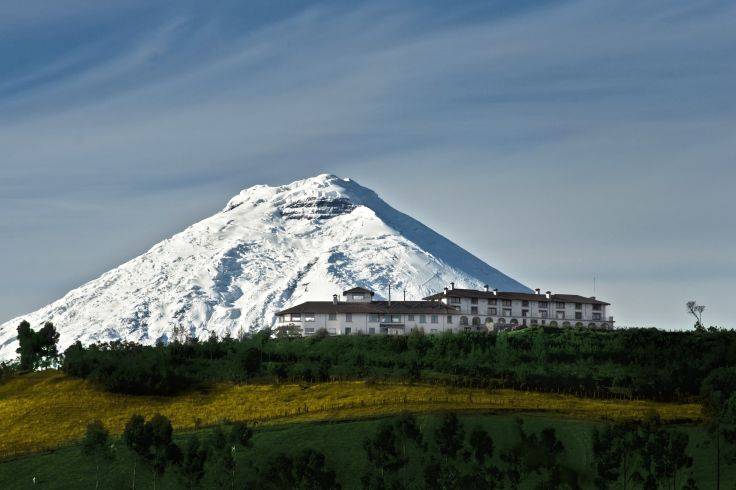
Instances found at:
x=696 y=310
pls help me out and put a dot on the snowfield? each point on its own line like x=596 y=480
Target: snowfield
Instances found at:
x=268 y=249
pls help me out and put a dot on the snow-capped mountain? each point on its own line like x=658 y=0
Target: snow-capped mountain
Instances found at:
x=269 y=248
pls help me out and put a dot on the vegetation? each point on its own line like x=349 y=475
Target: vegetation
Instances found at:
x=425 y=451
x=42 y=410
x=632 y=363
x=37 y=349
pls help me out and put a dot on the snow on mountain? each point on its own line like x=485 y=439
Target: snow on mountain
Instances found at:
x=269 y=248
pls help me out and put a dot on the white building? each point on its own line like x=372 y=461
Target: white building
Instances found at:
x=453 y=309
x=359 y=313
x=500 y=310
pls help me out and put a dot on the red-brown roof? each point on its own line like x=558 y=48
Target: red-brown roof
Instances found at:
x=380 y=307
x=474 y=293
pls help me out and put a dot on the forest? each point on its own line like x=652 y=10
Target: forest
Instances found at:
x=633 y=363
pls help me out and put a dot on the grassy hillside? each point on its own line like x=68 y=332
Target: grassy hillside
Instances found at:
x=341 y=442
x=46 y=410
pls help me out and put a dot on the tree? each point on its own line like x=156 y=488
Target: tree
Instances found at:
x=137 y=438
x=482 y=445
x=696 y=311
x=407 y=429
x=383 y=449
x=193 y=459
x=450 y=435
x=718 y=394
x=163 y=451
x=225 y=446
x=307 y=471
x=25 y=345
x=37 y=349
x=95 y=445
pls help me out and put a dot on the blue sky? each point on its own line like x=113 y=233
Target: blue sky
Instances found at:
x=555 y=140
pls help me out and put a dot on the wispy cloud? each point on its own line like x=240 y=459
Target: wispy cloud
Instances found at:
x=613 y=116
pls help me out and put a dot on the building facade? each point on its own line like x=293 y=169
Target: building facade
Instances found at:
x=452 y=310
x=358 y=313
x=500 y=310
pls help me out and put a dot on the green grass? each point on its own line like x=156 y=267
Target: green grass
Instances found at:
x=341 y=442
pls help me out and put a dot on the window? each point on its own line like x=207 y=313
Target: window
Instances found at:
x=507 y=312
x=542 y=305
x=348 y=330
x=331 y=331
x=434 y=319
x=524 y=312
x=308 y=330
x=281 y=318
x=514 y=321
x=332 y=316
x=473 y=310
x=422 y=318
x=534 y=323
x=543 y=314
x=348 y=317
x=525 y=304
x=374 y=317
x=463 y=320
x=560 y=315
x=560 y=305
x=578 y=315
x=502 y=321
x=395 y=319
x=596 y=316
x=296 y=317
x=506 y=302
x=492 y=301
x=449 y=318
x=372 y=330
x=358 y=296
x=434 y=330
x=578 y=306
x=473 y=301
x=309 y=317
x=455 y=301
x=409 y=318
x=476 y=321
x=596 y=307
x=493 y=311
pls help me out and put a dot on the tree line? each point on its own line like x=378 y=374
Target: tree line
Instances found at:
x=640 y=363
x=401 y=454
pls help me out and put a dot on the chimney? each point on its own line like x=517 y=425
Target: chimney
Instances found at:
x=495 y=291
x=452 y=285
x=445 y=291
x=549 y=294
x=537 y=291
x=486 y=286
x=334 y=299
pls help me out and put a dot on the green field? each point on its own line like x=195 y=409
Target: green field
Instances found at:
x=341 y=442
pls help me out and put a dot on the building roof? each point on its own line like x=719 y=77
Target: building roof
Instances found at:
x=358 y=291
x=474 y=293
x=380 y=307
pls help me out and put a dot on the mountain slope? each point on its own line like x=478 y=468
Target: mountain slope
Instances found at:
x=269 y=248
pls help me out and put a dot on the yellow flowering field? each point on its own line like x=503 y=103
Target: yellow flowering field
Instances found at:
x=48 y=409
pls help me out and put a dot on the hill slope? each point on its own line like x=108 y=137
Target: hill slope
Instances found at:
x=270 y=247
